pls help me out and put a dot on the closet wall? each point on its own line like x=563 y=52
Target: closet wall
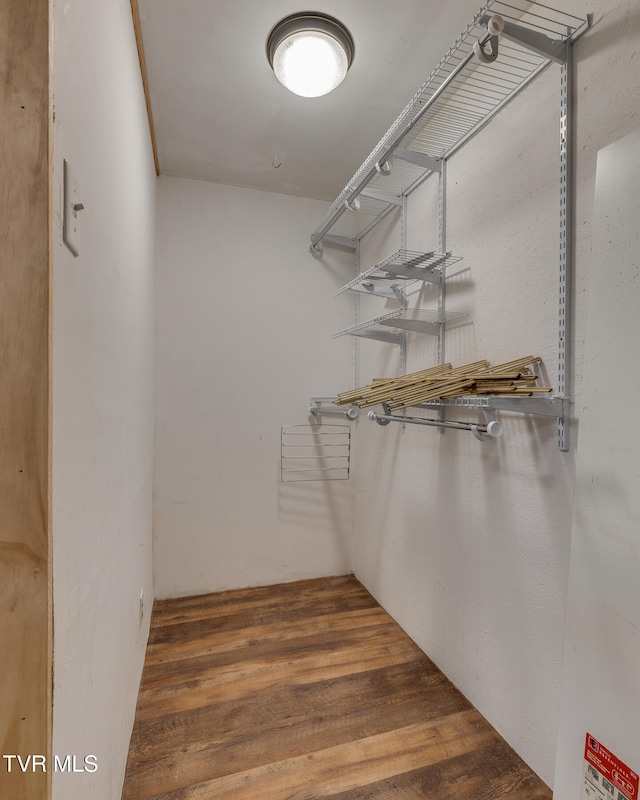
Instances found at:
x=465 y=543
x=245 y=317
x=602 y=641
x=103 y=393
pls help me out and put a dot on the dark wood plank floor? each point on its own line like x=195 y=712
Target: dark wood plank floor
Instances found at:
x=306 y=690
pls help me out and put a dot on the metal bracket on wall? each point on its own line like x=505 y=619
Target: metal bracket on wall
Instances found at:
x=323 y=406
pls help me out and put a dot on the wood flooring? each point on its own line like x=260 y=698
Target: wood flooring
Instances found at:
x=306 y=690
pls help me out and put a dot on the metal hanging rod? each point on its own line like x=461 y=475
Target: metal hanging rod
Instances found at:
x=492 y=429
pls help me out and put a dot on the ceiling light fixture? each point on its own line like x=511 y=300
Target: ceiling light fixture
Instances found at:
x=310 y=53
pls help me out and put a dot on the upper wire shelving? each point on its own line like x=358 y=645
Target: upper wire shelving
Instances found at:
x=461 y=95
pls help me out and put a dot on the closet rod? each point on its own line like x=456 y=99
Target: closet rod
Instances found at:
x=491 y=430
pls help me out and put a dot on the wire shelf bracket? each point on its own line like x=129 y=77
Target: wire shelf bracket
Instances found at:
x=325 y=407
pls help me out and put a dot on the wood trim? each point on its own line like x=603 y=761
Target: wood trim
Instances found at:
x=145 y=80
x=25 y=394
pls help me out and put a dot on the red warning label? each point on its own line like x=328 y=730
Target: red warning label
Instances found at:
x=608 y=777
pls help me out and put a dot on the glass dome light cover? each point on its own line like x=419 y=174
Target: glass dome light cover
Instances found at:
x=310 y=53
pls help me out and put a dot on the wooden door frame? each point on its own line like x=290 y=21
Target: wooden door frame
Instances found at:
x=25 y=397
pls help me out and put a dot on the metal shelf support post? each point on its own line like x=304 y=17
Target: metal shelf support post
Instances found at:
x=566 y=236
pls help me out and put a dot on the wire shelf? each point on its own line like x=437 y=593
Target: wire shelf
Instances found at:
x=390 y=277
x=315 y=452
x=390 y=327
x=457 y=99
x=548 y=406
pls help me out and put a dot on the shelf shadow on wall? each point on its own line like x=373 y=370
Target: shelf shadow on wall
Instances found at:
x=321 y=506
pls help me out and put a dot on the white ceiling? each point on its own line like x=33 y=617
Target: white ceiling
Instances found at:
x=220 y=114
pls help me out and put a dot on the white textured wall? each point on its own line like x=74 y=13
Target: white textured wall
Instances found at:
x=245 y=317
x=602 y=647
x=103 y=393
x=467 y=544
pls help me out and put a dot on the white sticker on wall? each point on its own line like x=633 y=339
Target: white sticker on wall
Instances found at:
x=605 y=776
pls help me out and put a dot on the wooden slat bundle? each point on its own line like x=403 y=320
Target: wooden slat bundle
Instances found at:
x=445 y=381
x=384 y=385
